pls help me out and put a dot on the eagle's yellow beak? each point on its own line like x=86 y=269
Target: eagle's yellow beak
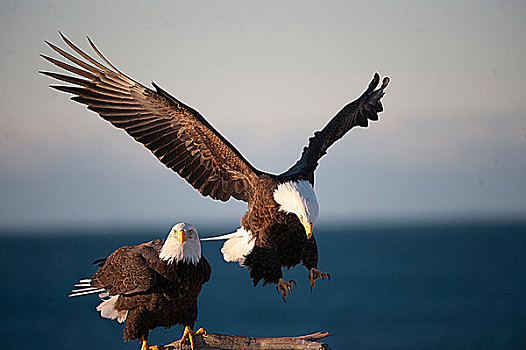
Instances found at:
x=181 y=236
x=308 y=229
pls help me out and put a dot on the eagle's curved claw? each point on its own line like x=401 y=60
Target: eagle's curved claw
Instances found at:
x=314 y=274
x=285 y=287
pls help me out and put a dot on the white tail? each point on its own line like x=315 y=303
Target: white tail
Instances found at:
x=107 y=308
x=238 y=245
x=83 y=287
x=219 y=238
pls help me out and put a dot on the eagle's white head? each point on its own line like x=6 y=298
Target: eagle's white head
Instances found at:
x=182 y=244
x=298 y=197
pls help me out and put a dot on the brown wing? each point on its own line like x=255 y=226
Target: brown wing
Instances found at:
x=126 y=271
x=356 y=113
x=175 y=133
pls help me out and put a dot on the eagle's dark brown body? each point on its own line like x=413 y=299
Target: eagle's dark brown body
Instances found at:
x=280 y=236
x=153 y=292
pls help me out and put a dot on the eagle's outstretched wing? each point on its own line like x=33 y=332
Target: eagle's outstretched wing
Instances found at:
x=175 y=133
x=356 y=113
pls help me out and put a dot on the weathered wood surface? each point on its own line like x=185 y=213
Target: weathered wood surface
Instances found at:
x=214 y=341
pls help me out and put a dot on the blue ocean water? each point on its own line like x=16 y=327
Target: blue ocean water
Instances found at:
x=392 y=287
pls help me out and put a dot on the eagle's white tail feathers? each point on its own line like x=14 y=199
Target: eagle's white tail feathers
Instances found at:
x=237 y=246
x=76 y=293
x=107 y=308
x=83 y=287
x=219 y=238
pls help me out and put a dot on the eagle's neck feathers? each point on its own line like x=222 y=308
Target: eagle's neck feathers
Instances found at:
x=298 y=197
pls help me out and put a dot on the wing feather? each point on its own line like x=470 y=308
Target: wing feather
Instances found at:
x=175 y=133
x=356 y=113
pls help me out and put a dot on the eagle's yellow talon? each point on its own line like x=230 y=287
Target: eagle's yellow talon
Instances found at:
x=146 y=346
x=201 y=331
x=188 y=333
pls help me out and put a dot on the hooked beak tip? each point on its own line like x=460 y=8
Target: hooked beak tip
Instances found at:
x=308 y=230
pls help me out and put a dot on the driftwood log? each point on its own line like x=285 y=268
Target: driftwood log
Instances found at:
x=214 y=341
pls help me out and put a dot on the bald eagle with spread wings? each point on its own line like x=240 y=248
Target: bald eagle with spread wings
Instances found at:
x=150 y=285
x=276 y=231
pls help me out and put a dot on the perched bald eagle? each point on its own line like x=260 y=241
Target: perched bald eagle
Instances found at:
x=277 y=229
x=154 y=284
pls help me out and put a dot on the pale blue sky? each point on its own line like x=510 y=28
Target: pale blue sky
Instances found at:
x=450 y=144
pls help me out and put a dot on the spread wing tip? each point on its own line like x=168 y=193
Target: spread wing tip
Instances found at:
x=385 y=82
x=374 y=83
x=146 y=115
x=376 y=80
x=356 y=113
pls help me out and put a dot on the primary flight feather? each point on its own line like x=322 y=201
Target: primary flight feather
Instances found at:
x=276 y=231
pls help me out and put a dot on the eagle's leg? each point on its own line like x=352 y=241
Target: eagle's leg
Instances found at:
x=284 y=287
x=144 y=343
x=314 y=274
x=188 y=333
x=146 y=346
